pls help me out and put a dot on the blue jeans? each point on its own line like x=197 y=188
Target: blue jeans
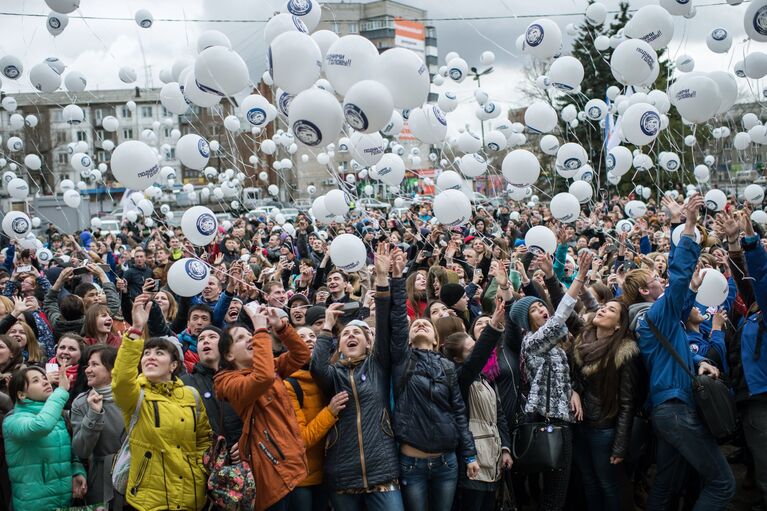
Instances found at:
x=308 y=498
x=603 y=483
x=428 y=483
x=376 y=501
x=682 y=437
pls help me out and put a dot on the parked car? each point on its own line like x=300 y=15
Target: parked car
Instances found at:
x=290 y=214
x=371 y=203
x=110 y=225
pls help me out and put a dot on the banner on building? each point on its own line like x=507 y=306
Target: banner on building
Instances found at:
x=410 y=35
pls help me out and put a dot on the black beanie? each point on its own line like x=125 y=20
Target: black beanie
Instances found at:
x=314 y=314
x=451 y=293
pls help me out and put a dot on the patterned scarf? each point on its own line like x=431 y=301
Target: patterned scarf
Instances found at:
x=591 y=348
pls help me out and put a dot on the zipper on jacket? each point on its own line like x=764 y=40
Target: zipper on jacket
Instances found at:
x=359 y=428
x=194 y=418
x=268 y=454
x=271 y=441
x=141 y=471
x=156 y=414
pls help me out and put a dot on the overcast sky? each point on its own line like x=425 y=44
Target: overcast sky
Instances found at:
x=98 y=48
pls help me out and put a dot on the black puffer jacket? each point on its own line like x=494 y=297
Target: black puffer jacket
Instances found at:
x=429 y=412
x=360 y=451
x=201 y=378
x=587 y=380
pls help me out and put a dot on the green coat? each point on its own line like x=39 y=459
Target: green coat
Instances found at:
x=39 y=454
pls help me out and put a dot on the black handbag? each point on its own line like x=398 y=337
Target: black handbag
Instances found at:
x=712 y=397
x=538 y=446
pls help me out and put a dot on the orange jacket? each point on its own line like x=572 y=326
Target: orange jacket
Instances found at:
x=270 y=437
x=314 y=420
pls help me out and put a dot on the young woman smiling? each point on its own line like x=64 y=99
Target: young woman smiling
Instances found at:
x=172 y=431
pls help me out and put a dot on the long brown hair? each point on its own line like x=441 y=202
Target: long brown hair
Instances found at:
x=447 y=326
x=435 y=273
x=412 y=298
x=34 y=352
x=607 y=375
x=89 y=327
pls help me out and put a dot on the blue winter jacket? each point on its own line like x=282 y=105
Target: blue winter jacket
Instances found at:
x=753 y=350
x=668 y=380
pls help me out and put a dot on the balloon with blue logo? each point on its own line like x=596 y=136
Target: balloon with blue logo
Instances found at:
x=542 y=39
x=221 y=71
x=308 y=11
x=256 y=110
x=457 y=69
x=188 y=276
x=199 y=225
x=566 y=73
x=452 y=208
x=56 y=23
x=16 y=225
x=368 y=106
x=316 y=117
x=428 y=124
x=633 y=61
x=565 y=207
x=595 y=109
x=755 y=20
x=677 y=7
x=193 y=151
x=640 y=124
x=719 y=40
x=540 y=117
x=350 y=59
x=447 y=101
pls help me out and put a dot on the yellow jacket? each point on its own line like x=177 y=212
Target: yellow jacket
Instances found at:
x=314 y=420
x=171 y=434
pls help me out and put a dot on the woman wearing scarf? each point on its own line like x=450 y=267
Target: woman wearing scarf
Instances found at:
x=607 y=376
x=97 y=424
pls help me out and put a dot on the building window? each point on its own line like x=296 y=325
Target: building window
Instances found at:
x=82 y=136
x=102 y=156
x=58 y=115
x=63 y=158
x=61 y=137
x=99 y=114
x=335 y=27
x=101 y=135
x=127 y=134
x=165 y=112
x=126 y=113
x=353 y=27
x=166 y=132
x=171 y=154
x=146 y=111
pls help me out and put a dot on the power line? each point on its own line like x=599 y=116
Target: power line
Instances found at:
x=424 y=20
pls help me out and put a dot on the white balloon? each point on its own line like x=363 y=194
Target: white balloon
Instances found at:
x=635 y=208
x=172 y=99
x=452 y=208
x=565 y=207
x=295 y=61
x=11 y=67
x=111 y=123
x=677 y=7
x=16 y=225
x=273 y=190
x=337 y=202
x=366 y=149
x=566 y=73
x=73 y=114
x=188 y=276
x=754 y=20
x=428 y=124
x=457 y=69
x=487 y=58
x=199 y=225
x=549 y=144
x=472 y=165
x=521 y=168
x=624 y=226
x=652 y=24
x=391 y=169
x=324 y=39
x=447 y=101
x=134 y=164
x=540 y=117
x=348 y=253
x=696 y=98
x=741 y=141
x=212 y=38
x=17 y=188
x=719 y=40
x=405 y=75
x=221 y=71
x=144 y=18
x=715 y=200
x=495 y=141
x=596 y=13
x=754 y=194
x=702 y=173
x=542 y=38
x=640 y=124
x=127 y=74
x=350 y=59
x=713 y=289
x=44 y=78
x=669 y=161
x=368 y=106
x=619 y=160
x=72 y=198
x=596 y=109
x=33 y=162
x=632 y=62
x=282 y=23
x=449 y=180
x=540 y=240
x=315 y=117
x=570 y=158
x=56 y=23
x=395 y=125
x=193 y=151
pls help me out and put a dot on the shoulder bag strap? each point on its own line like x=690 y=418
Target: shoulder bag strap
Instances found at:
x=667 y=345
x=134 y=417
x=297 y=389
x=548 y=388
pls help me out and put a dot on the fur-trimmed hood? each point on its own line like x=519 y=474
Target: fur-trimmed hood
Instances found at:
x=627 y=350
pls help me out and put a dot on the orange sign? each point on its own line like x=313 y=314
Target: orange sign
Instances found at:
x=410 y=35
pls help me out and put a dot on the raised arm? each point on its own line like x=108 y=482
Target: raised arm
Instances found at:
x=399 y=346
x=298 y=353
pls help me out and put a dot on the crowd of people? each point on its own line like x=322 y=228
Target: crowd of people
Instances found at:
x=405 y=386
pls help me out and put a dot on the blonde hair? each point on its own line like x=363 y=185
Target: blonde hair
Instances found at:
x=633 y=282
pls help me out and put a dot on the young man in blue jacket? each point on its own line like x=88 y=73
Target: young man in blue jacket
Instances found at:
x=682 y=436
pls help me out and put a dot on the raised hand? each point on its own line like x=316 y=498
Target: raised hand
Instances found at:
x=398 y=262
x=332 y=313
x=382 y=263
x=691 y=210
x=728 y=224
x=276 y=322
x=545 y=263
x=674 y=209
x=140 y=311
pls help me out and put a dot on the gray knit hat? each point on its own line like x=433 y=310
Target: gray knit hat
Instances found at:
x=520 y=311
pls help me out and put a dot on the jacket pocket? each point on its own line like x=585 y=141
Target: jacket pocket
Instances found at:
x=141 y=472
x=386 y=423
